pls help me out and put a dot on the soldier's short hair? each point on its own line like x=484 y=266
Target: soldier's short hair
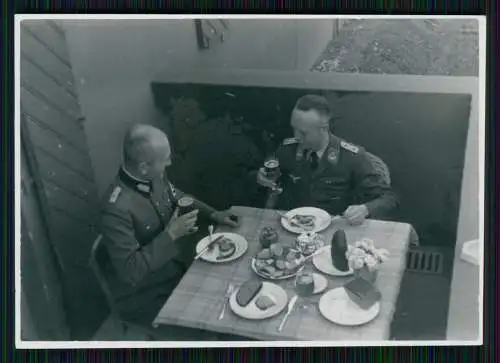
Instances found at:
x=314 y=102
x=137 y=145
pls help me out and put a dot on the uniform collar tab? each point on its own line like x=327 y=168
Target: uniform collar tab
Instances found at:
x=142 y=186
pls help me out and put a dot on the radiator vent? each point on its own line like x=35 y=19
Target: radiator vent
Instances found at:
x=425 y=262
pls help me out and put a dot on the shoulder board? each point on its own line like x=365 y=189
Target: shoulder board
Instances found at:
x=114 y=196
x=290 y=141
x=172 y=188
x=348 y=146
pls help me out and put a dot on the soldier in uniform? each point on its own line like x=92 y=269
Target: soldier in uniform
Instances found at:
x=321 y=170
x=145 y=238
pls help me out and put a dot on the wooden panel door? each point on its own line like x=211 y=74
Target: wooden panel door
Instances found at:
x=55 y=144
x=43 y=314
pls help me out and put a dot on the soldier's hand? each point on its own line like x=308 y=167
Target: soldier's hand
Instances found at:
x=183 y=225
x=356 y=214
x=263 y=180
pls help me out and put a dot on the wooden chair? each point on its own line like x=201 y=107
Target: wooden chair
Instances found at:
x=99 y=260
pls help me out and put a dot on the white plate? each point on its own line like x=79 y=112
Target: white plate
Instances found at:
x=211 y=256
x=323 y=219
x=284 y=277
x=323 y=262
x=337 y=307
x=252 y=312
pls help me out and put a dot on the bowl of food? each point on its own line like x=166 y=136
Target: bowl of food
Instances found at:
x=309 y=242
x=278 y=262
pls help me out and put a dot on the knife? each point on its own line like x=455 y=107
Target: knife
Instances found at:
x=292 y=302
x=205 y=249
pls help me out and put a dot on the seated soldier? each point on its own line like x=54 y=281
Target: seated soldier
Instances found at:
x=150 y=247
x=318 y=169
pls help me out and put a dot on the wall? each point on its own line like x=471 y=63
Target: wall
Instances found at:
x=59 y=197
x=115 y=61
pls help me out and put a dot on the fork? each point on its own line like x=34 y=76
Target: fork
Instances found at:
x=229 y=291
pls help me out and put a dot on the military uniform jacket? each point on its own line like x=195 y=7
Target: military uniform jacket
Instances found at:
x=133 y=221
x=344 y=176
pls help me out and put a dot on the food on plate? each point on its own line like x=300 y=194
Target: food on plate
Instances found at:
x=309 y=242
x=304 y=221
x=247 y=292
x=226 y=248
x=280 y=265
x=264 y=302
x=338 y=251
x=277 y=261
x=276 y=249
x=265 y=254
x=362 y=293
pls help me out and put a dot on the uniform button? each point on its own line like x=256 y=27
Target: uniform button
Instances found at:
x=148 y=227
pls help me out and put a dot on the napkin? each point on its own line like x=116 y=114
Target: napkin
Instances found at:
x=470 y=252
x=363 y=293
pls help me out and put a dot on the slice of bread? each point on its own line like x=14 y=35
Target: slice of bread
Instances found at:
x=247 y=292
x=264 y=302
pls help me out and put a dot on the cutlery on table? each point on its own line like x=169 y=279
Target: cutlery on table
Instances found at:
x=206 y=248
x=229 y=291
x=211 y=237
x=292 y=302
x=319 y=251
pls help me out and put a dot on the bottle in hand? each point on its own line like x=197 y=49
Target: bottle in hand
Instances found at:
x=338 y=250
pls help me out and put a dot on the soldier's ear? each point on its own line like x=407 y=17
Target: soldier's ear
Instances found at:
x=143 y=168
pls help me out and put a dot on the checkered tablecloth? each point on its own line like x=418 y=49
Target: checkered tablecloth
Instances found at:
x=197 y=300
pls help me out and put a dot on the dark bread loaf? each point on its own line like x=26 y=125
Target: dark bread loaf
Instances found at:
x=247 y=292
x=338 y=250
x=364 y=294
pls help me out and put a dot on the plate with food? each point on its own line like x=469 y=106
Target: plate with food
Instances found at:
x=278 y=262
x=324 y=263
x=306 y=219
x=225 y=247
x=337 y=307
x=309 y=242
x=257 y=300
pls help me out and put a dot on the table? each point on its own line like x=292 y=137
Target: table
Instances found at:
x=197 y=300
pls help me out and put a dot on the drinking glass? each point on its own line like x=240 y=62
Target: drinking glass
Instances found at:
x=304 y=286
x=272 y=168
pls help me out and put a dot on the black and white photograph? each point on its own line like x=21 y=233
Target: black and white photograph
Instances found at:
x=244 y=180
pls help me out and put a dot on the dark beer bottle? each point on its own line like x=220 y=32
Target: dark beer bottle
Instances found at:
x=338 y=250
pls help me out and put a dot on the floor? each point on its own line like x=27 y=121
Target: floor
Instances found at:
x=109 y=331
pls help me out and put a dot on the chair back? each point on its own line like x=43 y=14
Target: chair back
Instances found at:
x=99 y=259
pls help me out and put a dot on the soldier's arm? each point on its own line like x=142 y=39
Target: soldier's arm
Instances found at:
x=202 y=207
x=372 y=190
x=131 y=261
